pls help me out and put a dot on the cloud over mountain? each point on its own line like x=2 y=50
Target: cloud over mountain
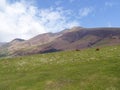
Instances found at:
x=22 y=19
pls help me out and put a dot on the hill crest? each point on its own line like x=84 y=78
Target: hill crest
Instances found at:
x=69 y=39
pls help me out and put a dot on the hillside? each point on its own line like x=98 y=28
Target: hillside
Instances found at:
x=2 y=43
x=69 y=39
x=69 y=70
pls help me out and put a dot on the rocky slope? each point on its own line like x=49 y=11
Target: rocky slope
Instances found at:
x=70 y=39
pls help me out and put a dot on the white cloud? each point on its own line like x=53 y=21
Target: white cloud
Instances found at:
x=85 y=11
x=56 y=20
x=23 y=20
x=111 y=4
x=2 y=4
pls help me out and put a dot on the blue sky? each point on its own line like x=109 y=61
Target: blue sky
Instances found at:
x=102 y=13
x=28 y=18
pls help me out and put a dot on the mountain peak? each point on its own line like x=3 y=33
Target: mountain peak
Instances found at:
x=17 y=40
x=75 y=28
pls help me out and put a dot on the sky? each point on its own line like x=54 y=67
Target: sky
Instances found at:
x=27 y=18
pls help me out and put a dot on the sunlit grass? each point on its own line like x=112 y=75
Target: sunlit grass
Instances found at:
x=70 y=70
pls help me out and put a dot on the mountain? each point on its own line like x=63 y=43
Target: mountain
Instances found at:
x=1 y=43
x=69 y=39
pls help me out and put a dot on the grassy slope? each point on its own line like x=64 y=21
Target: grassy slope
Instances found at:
x=71 y=70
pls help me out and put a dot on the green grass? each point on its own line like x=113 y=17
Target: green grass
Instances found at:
x=69 y=70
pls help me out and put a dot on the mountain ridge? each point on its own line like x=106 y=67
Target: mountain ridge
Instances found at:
x=68 y=39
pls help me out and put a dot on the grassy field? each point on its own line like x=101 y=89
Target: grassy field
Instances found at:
x=69 y=70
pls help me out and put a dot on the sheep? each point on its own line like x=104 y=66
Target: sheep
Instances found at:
x=77 y=50
x=97 y=49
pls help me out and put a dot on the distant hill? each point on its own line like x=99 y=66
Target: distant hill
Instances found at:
x=2 y=43
x=69 y=39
